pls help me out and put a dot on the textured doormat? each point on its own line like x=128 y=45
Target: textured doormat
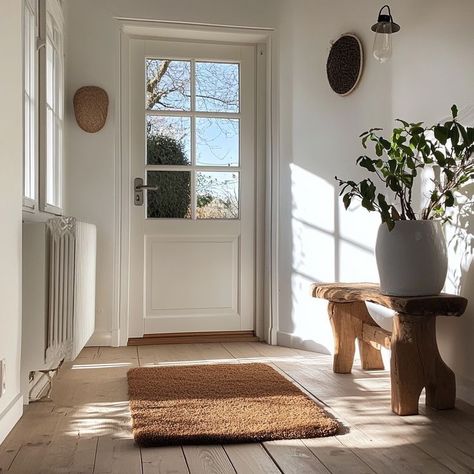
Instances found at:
x=225 y=403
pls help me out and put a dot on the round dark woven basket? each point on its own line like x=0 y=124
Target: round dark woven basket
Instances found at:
x=90 y=108
x=344 y=65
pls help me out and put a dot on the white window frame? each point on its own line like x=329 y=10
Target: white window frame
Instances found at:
x=51 y=33
x=30 y=106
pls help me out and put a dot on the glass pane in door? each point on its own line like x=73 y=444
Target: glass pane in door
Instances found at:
x=217 y=87
x=217 y=141
x=168 y=84
x=168 y=140
x=172 y=199
x=217 y=195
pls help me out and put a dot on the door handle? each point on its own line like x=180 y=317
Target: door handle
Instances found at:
x=149 y=187
x=138 y=188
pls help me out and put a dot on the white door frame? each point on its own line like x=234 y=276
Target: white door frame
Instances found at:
x=266 y=166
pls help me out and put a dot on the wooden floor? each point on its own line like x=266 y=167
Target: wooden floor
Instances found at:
x=86 y=428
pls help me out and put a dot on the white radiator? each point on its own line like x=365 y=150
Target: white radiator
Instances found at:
x=59 y=260
x=61 y=242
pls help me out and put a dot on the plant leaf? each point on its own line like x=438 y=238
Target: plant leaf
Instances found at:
x=347 y=200
x=441 y=134
x=449 y=199
x=366 y=162
x=405 y=124
x=454 y=111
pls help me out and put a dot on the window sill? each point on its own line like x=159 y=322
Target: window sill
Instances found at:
x=53 y=210
x=29 y=205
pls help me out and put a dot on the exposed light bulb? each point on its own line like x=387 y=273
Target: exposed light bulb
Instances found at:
x=383 y=29
x=382 y=49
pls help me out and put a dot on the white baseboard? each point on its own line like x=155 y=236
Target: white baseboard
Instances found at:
x=296 y=342
x=103 y=338
x=272 y=337
x=10 y=416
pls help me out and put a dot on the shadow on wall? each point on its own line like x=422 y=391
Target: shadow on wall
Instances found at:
x=327 y=244
x=455 y=337
x=460 y=280
x=461 y=242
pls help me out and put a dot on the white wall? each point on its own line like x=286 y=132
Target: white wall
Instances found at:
x=11 y=137
x=433 y=68
x=319 y=241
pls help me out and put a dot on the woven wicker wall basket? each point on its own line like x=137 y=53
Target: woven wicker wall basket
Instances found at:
x=91 y=104
x=345 y=63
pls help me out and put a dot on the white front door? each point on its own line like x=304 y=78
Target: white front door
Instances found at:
x=192 y=231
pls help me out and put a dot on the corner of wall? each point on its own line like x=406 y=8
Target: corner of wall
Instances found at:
x=10 y=416
x=11 y=157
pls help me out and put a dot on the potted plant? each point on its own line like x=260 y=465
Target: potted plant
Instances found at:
x=411 y=249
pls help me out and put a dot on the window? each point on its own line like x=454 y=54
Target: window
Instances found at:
x=192 y=114
x=30 y=108
x=43 y=106
x=52 y=110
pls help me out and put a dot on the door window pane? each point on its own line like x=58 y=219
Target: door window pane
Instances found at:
x=217 y=195
x=173 y=197
x=168 y=84
x=217 y=87
x=168 y=140
x=179 y=134
x=217 y=142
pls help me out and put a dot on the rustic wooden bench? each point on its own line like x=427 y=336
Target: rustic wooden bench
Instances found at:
x=415 y=359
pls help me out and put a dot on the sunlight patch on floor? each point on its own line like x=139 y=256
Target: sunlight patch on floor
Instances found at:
x=99 y=419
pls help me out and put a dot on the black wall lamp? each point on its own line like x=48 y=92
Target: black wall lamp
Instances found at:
x=383 y=29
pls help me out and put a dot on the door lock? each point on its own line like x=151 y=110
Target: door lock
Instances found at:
x=138 y=188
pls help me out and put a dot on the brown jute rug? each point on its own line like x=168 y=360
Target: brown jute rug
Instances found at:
x=226 y=403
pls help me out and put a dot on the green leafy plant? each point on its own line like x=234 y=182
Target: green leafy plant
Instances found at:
x=447 y=148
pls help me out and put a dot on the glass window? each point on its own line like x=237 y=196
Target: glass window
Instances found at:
x=168 y=84
x=172 y=199
x=217 y=141
x=192 y=120
x=168 y=140
x=30 y=123
x=53 y=87
x=217 y=87
x=217 y=195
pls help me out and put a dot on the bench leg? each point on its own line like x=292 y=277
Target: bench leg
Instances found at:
x=370 y=356
x=440 y=380
x=406 y=370
x=416 y=363
x=345 y=331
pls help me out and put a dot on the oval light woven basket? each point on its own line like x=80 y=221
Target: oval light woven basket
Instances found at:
x=91 y=105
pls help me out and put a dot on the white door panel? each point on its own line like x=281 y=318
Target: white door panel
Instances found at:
x=196 y=281
x=192 y=242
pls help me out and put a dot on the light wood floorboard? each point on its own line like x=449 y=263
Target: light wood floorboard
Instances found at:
x=86 y=427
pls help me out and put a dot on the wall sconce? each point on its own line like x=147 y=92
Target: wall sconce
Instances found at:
x=384 y=28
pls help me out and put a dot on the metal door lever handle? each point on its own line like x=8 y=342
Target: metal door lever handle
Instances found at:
x=150 y=187
x=138 y=188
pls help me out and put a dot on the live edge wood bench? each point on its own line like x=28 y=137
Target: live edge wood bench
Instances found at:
x=415 y=360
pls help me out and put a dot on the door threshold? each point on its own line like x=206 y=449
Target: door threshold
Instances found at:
x=193 y=338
